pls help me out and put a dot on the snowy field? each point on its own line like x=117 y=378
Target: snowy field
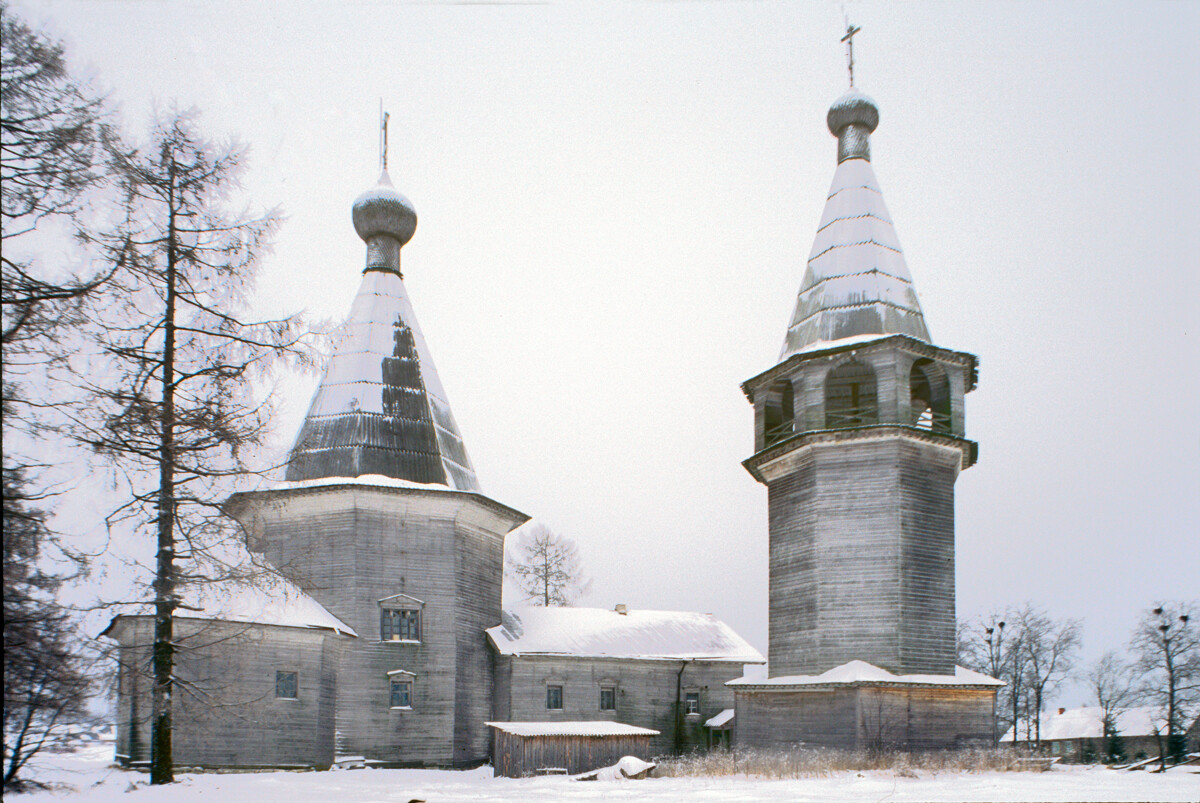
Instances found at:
x=87 y=776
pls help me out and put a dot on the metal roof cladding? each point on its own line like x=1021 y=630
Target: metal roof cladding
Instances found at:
x=380 y=407
x=856 y=282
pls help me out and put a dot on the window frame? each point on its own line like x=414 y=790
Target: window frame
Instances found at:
x=611 y=690
x=400 y=623
x=401 y=677
x=690 y=697
x=280 y=674
x=551 y=687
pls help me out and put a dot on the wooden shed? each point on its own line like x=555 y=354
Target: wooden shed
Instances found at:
x=520 y=749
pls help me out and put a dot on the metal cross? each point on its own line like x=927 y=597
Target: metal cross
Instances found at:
x=849 y=40
x=383 y=143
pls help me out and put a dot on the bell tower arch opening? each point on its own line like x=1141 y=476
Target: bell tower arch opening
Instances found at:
x=929 y=396
x=780 y=414
x=851 y=396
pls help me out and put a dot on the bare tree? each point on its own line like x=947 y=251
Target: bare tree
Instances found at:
x=173 y=406
x=50 y=126
x=993 y=646
x=1111 y=682
x=49 y=129
x=546 y=566
x=1167 y=648
x=1049 y=648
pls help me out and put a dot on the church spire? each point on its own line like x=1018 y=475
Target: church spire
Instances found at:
x=380 y=407
x=857 y=282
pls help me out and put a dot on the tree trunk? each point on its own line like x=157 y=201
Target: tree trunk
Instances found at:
x=161 y=754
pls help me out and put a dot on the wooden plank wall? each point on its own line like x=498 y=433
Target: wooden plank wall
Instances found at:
x=861 y=559
x=225 y=711
x=864 y=718
x=645 y=693
x=522 y=756
x=350 y=547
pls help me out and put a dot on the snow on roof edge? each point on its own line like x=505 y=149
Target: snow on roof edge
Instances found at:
x=862 y=673
x=572 y=728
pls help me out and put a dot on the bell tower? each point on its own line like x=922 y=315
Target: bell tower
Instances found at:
x=859 y=436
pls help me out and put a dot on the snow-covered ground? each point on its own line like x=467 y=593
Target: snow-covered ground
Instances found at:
x=91 y=779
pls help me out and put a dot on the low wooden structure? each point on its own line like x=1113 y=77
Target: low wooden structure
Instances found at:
x=520 y=749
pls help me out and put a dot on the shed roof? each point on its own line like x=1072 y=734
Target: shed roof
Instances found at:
x=720 y=719
x=596 y=632
x=600 y=728
x=1086 y=722
x=265 y=601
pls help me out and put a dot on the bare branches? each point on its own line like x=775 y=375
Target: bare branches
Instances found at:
x=176 y=411
x=1166 y=644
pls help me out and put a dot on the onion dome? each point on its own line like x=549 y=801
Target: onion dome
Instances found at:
x=383 y=211
x=852 y=118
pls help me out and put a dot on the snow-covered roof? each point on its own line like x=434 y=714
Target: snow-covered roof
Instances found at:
x=856 y=282
x=1086 y=722
x=264 y=601
x=599 y=728
x=861 y=673
x=595 y=632
x=720 y=719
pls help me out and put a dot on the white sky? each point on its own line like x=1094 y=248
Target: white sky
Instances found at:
x=616 y=202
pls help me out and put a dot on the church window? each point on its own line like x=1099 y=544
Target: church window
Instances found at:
x=287 y=685
x=850 y=396
x=401 y=693
x=608 y=698
x=554 y=697
x=399 y=624
x=691 y=703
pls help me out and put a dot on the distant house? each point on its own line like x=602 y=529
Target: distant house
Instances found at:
x=663 y=670
x=1077 y=733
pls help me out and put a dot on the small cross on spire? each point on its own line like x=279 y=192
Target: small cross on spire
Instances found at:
x=849 y=40
x=383 y=143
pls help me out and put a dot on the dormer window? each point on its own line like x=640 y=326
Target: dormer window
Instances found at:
x=400 y=618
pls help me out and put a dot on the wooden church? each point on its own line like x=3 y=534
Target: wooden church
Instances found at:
x=384 y=640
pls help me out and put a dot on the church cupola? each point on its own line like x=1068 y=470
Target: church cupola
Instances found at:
x=380 y=407
x=386 y=221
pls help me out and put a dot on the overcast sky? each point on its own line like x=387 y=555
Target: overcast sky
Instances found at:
x=615 y=205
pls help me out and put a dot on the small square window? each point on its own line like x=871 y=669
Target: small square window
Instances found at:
x=554 y=698
x=608 y=698
x=401 y=694
x=286 y=685
x=691 y=702
x=396 y=624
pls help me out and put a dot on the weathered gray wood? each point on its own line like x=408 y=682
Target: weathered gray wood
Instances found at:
x=519 y=756
x=225 y=707
x=350 y=546
x=865 y=718
x=645 y=693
